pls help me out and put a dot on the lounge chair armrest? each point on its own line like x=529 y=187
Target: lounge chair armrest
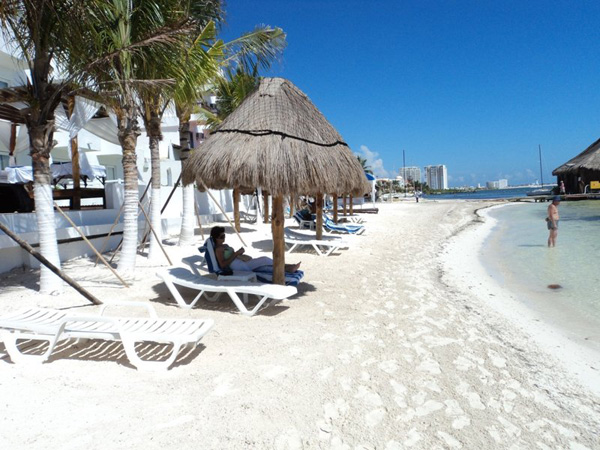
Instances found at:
x=149 y=308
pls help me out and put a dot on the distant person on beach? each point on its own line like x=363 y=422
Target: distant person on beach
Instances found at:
x=552 y=221
x=236 y=260
x=562 y=188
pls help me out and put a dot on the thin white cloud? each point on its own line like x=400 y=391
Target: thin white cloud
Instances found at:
x=374 y=161
x=531 y=174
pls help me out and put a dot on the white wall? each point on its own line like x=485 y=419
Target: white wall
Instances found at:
x=98 y=222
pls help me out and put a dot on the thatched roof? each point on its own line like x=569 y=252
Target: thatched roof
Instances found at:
x=279 y=141
x=588 y=159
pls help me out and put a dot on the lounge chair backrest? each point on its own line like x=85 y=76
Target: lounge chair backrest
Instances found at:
x=298 y=217
x=211 y=258
x=331 y=225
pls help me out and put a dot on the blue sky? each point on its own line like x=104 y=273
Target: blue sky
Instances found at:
x=475 y=85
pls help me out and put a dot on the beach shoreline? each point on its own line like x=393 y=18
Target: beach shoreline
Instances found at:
x=464 y=266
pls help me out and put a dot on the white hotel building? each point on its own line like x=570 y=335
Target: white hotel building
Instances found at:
x=411 y=174
x=436 y=177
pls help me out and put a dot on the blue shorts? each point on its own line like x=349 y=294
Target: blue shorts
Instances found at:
x=551 y=226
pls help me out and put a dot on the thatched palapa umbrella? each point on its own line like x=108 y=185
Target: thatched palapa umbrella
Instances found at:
x=279 y=141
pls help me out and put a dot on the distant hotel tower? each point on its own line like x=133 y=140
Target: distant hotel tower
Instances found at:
x=436 y=177
x=411 y=174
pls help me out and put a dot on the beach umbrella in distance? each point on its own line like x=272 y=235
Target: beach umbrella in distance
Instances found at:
x=277 y=140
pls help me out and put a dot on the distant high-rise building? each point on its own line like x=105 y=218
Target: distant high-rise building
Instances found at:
x=411 y=174
x=500 y=184
x=436 y=177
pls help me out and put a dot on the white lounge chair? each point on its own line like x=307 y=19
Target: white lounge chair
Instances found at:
x=323 y=247
x=53 y=326
x=178 y=276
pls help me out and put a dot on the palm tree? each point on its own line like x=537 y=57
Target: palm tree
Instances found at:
x=134 y=34
x=365 y=166
x=257 y=48
x=43 y=37
x=231 y=90
x=155 y=99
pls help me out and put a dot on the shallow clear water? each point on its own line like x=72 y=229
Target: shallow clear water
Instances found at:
x=516 y=254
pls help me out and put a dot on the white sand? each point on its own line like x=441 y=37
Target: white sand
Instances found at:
x=383 y=349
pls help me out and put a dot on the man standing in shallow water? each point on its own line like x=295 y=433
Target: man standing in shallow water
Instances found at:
x=552 y=221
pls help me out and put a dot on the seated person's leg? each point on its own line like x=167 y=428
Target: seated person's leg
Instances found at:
x=239 y=265
x=255 y=263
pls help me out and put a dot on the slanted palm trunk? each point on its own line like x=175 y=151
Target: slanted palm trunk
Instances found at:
x=128 y=133
x=155 y=136
x=41 y=142
x=186 y=234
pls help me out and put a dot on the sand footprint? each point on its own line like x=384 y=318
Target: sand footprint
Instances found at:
x=274 y=372
x=430 y=366
x=369 y=397
x=473 y=397
x=453 y=409
x=463 y=364
x=449 y=440
x=374 y=417
x=288 y=440
x=413 y=436
x=428 y=407
x=390 y=366
x=225 y=383
x=496 y=359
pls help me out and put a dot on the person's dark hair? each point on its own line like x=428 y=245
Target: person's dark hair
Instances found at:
x=215 y=232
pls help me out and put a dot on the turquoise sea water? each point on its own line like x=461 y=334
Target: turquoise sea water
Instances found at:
x=517 y=256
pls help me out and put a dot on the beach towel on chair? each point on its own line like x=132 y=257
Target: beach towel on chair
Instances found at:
x=265 y=274
x=208 y=249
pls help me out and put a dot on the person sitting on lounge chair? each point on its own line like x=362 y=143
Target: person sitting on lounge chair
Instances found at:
x=236 y=259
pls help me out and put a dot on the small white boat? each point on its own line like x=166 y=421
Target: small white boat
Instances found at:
x=540 y=192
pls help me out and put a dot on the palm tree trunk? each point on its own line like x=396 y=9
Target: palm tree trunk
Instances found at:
x=128 y=134
x=155 y=136
x=186 y=234
x=41 y=142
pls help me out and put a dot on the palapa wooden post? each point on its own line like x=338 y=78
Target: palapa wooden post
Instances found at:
x=76 y=202
x=49 y=265
x=335 y=207
x=319 y=213
x=266 y=207
x=236 y=209
x=277 y=222
x=344 y=205
x=351 y=205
